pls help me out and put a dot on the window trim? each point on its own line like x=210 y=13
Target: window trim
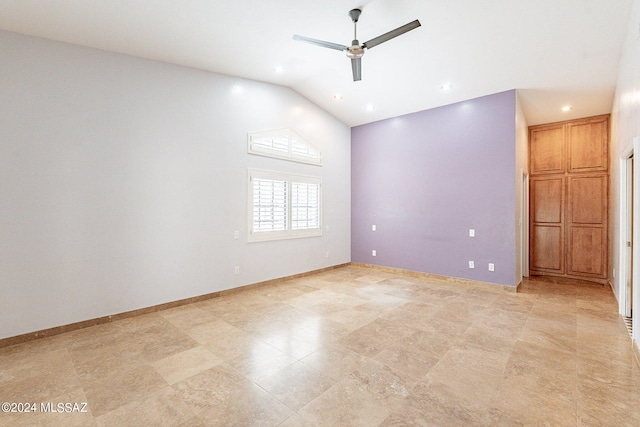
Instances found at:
x=289 y=233
x=290 y=134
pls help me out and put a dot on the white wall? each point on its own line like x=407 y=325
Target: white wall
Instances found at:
x=625 y=126
x=522 y=167
x=122 y=181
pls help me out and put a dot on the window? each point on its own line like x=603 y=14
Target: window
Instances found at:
x=284 y=144
x=283 y=206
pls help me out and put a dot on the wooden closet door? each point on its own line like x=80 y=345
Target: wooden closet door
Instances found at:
x=587 y=225
x=547 y=240
x=587 y=145
x=546 y=149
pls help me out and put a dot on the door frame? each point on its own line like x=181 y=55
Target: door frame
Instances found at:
x=626 y=222
x=624 y=260
x=524 y=224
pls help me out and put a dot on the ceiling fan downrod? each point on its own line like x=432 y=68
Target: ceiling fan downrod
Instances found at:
x=355 y=50
x=354 y=14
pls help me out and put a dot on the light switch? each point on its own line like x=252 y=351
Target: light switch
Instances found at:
x=472 y=232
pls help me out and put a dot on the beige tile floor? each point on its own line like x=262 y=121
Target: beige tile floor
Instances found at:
x=348 y=347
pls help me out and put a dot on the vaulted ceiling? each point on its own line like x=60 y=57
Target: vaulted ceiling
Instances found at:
x=555 y=52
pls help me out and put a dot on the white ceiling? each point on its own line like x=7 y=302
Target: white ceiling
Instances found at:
x=555 y=52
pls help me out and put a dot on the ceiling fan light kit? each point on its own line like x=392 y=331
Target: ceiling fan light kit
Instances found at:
x=357 y=50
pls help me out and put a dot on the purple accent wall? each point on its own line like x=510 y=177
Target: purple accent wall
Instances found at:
x=424 y=179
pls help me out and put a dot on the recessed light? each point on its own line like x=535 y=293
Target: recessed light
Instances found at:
x=337 y=97
x=567 y=108
x=446 y=86
x=370 y=107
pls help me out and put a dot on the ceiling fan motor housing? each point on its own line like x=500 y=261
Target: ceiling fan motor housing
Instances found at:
x=355 y=50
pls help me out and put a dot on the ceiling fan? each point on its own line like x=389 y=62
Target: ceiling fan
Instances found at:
x=356 y=50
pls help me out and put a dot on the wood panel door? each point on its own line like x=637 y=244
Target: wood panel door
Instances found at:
x=547 y=232
x=546 y=149
x=587 y=142
x=587 y=225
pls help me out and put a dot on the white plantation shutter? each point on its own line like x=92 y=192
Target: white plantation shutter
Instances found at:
x=283 y=206
x=269 y=205
x=284 y=144
x=302 y=150
x=271 y=143
x=305 y=205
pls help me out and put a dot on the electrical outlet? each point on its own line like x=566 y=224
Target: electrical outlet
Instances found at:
x=236 y=235
x=472 y=264
x=326 y=254
x=373 y=252
x=236 y=269
x=472 y=232
x=491 y=267
x=373 y=227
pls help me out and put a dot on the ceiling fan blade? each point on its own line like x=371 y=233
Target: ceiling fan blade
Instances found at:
x=321 y=43
x=356 y=68
x=391 y=34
